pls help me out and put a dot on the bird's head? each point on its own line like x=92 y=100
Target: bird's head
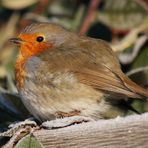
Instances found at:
x=39 y=37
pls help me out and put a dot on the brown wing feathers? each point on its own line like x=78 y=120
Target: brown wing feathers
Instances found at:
x=95 y=64
x=105 y=81
x=108 y=76
x=102 y=78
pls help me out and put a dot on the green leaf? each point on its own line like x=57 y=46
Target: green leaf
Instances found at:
x=142 y=59
x=140 y=76
x=28 y=142
x=122 y=15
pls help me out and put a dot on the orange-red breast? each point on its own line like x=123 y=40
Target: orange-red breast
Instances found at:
x=59 y=73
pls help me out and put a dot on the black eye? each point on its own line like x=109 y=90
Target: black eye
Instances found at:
x=39 y=39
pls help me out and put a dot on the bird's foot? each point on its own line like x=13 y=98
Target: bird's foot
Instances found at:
x=64 y=122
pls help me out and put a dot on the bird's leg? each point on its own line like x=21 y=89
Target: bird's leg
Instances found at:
x=64 y=122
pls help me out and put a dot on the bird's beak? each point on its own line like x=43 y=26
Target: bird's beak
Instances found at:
x=17 y=41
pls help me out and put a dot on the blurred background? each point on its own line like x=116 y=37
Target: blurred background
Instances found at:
x=122 y=23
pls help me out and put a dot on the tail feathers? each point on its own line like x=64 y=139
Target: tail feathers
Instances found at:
x=136 y=89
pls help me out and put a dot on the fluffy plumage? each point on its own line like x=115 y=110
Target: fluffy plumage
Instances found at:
x=70 y=74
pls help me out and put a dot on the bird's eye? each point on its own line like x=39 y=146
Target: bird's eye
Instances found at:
x=39 y=39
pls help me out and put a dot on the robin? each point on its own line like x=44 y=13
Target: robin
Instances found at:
x=61 y=74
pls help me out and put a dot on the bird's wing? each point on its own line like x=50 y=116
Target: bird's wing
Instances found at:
x=102 y=78
x=103 y=72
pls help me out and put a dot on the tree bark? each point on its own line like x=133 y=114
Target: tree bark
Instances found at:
x=128 y=132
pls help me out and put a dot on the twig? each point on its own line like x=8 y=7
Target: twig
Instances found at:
x=138 y=70
x=127 y=58
x=129 y=39
x=143 y=4
x=89 y=16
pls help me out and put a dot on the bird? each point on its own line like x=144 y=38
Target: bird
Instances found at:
x=62 y=74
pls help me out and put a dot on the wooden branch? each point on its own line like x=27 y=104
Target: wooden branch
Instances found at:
x=90 y=16
x=129 y=39
x=131 y=131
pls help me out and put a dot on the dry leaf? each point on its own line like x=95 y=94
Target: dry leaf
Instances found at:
x=17 y=4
